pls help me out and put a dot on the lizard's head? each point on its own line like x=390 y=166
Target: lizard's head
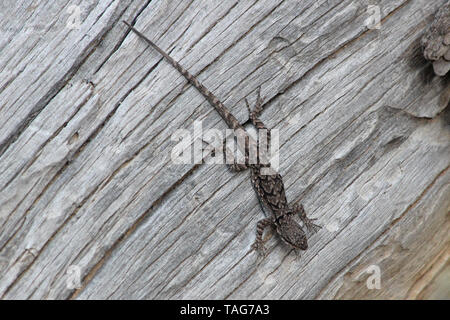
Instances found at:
x=292 y=233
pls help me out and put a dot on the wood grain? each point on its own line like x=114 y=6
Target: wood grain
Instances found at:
x=87 y=182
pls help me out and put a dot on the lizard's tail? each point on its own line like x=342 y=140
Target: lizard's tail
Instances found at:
x=231 y=121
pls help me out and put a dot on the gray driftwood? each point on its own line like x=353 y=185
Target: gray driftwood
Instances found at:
x=91 y=205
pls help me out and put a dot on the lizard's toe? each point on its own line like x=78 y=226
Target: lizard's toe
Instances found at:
x=259 y=248
x=312 y=227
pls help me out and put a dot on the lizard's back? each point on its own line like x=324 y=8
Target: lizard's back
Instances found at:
x=270 y=189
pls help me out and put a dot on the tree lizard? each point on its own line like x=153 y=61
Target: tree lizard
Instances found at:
x=269 y=187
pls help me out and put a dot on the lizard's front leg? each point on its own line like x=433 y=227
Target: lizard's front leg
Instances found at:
x=258 y=245
x=298 y=209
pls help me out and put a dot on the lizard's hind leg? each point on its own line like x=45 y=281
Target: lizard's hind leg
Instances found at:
x=259 y=243
x=256 y=112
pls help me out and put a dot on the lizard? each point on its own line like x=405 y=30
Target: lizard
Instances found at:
x=269 y=188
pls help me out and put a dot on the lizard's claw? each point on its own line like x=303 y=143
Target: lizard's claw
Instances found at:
x=259 y=248
x=248 y=106
x=257 y=109
x=312 y=227
x=259 y=100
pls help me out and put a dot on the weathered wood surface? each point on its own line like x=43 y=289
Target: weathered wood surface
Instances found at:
x=87 y=182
